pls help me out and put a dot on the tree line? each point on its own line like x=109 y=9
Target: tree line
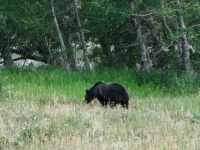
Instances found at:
x=134 y=34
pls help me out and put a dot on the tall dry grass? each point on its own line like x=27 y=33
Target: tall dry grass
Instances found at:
x=26 y=125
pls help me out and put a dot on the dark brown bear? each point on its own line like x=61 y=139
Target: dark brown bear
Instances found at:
x=108 y=93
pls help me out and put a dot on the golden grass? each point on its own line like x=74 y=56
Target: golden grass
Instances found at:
x=154 y=125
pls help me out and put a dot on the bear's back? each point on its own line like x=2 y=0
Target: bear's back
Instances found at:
x=116 y=87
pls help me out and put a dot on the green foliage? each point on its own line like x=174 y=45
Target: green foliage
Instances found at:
x=2 y=90
x=170 y=82
x=45 y=83
x=28 y=26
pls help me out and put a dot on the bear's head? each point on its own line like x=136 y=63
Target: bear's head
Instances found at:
x=88 y=96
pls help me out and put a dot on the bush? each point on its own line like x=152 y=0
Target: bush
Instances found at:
x=169 y=81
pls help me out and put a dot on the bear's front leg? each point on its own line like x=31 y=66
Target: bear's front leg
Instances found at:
x=102 y=100
x=112 y=104
x=103 y=103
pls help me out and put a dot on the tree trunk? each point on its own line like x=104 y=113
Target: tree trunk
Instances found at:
x=161 y=62
x=6 y=54
x=145 y=60
x=65 y=63
x=185 y=45
x=87 y=65
x=107 y=52
x=72 y=53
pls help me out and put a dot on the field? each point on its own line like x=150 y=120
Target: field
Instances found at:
x=44 y=109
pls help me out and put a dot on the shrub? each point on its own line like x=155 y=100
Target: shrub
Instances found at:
x=169 y=81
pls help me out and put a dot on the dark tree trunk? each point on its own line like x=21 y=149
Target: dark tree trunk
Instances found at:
x=161 y=60
x=107 y=52
x=6 y=54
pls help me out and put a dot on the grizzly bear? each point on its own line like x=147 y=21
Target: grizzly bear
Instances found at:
x=108 y=93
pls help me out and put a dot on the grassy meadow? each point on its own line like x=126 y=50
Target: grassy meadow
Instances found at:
x=43 y=109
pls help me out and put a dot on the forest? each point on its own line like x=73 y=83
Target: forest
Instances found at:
x=151 y=47
x=141 y=34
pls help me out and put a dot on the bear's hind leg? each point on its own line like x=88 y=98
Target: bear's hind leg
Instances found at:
x=125 y=105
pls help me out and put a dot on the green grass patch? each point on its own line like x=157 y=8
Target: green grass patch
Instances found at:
x=69 y=86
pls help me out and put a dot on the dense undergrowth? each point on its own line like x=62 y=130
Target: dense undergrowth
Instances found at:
x=51 y=80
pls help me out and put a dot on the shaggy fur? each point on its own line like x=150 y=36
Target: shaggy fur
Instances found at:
x=108 y=93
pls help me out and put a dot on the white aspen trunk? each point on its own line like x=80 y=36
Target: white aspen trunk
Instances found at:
x=145 y=62
x=145 y=58
x=82 y=37
x=65 y=63
x=185 y=45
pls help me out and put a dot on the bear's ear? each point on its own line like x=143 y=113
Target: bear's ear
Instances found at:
x=87 y=91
